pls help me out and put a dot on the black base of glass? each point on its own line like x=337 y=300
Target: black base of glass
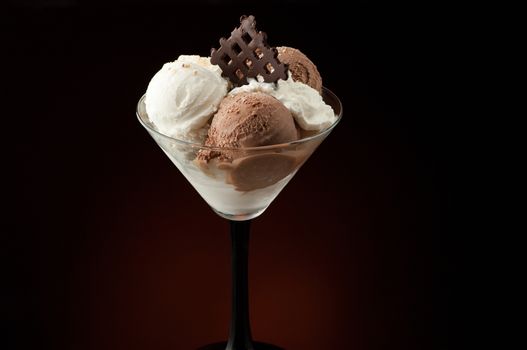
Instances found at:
x=257 y=346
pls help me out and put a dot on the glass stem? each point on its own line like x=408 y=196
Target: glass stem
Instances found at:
x=240 y=332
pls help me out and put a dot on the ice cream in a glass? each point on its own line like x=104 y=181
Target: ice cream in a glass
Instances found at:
x=238 y=125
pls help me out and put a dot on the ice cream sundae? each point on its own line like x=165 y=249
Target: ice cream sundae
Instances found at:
x=240 y=123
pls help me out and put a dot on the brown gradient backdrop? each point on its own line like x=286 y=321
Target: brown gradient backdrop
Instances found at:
x=111 y=248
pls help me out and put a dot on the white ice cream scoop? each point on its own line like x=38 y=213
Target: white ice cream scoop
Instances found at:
x=184 y=94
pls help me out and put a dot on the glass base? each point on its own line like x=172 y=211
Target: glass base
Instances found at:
x=257 y=346
x=241 y=217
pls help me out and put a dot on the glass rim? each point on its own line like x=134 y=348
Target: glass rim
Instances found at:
x=320 y=134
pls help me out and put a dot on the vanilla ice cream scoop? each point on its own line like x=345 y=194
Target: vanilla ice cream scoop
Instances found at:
x=184 y=94
x=306 y=105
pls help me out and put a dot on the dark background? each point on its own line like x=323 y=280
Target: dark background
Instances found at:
x=108 y=247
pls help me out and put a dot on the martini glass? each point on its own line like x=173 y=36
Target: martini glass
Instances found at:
x=239 y=193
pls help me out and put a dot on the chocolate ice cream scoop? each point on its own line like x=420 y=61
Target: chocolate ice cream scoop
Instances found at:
x=251 y=119
x=301 y=67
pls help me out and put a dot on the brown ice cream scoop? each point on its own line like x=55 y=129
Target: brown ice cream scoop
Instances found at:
x=260 y=170
x=301 y=67
x=251 y=119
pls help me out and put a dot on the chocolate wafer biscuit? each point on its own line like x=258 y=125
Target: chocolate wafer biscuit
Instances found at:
x=246 y=54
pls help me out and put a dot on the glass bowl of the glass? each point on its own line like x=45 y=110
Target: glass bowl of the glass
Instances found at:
x=239 y=183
